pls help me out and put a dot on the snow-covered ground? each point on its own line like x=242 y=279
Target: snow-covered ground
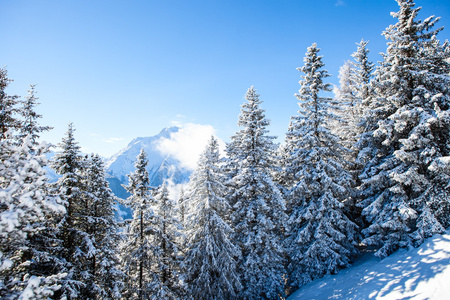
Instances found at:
x=418 y=273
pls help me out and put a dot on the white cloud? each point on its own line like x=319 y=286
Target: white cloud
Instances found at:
x=187 y=144
x=339 y=3
x=174 y=190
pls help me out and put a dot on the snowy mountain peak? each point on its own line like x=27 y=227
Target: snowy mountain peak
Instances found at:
x=122 y=163
x=149 y=144
x=146 y=142
x=161 y=165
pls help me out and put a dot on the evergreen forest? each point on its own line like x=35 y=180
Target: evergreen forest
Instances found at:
x=365 y=168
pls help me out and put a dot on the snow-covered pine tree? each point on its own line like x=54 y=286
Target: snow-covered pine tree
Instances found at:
x=363 y=71
x=362 y=76
x=165 y=261
x=353 y=99
x=8 y=106
x=400 y=189
x=321 y=237
x=182 y=206
x=346 y=107
x=280 y=173
x=259 y=208
x=100 y=224
x=137 y=248
x=25 y=209
x=364 y=121
x=347 y=111
x=210 y=260
x=77 y=245
x=231 y=165
x=29 y=125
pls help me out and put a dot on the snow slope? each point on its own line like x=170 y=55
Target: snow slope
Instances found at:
x=417 y=273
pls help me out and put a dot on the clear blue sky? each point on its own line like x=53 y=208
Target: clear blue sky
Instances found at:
x=123 y=69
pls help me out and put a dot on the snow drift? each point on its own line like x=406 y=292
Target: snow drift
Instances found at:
x=417 y=273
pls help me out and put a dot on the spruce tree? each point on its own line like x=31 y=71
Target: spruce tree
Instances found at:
x=210 y=261
x=99 y=223
x=77 y=245
x=8 y=106
x=25 y=209
x=354 y=98
x=29 y=125
x=321 y=237
x=137 y=248
x=165 y=261
x=363 y=71
x=258 y=206
x=355 y=121
x=401 y=192
x=364 y=121
x=182 y=206
x=346 y=107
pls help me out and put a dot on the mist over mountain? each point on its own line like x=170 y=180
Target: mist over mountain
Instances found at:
x=161 y=166
x=172 y=155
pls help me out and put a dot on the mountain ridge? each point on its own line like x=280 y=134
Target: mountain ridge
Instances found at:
x=122 y=163
x=161 y=166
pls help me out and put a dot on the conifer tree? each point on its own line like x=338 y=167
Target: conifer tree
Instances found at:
x=182 y=206
x=8 y=106
x=280 y=174
x=353 y=97
x=77 y=245
x=165 y=283
x=25 y=208
x=210 y=261
x=400 y=189
x=355 y=117
x=29 y=124
x=182 y=210
x=99 y=223
x=346 y=107
x=137 y=248
x=321 y=238
x=344 y=125
x=364 y=121
x=259 y=208
x=363 y=70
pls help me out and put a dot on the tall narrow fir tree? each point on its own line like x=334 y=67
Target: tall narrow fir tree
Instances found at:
x=321 y=237
x=258 y=206
x=210 y=260
x=137 y=247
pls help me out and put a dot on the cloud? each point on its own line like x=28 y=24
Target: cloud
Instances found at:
x=187 y=144
x=339 y=3
x=174 y=190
